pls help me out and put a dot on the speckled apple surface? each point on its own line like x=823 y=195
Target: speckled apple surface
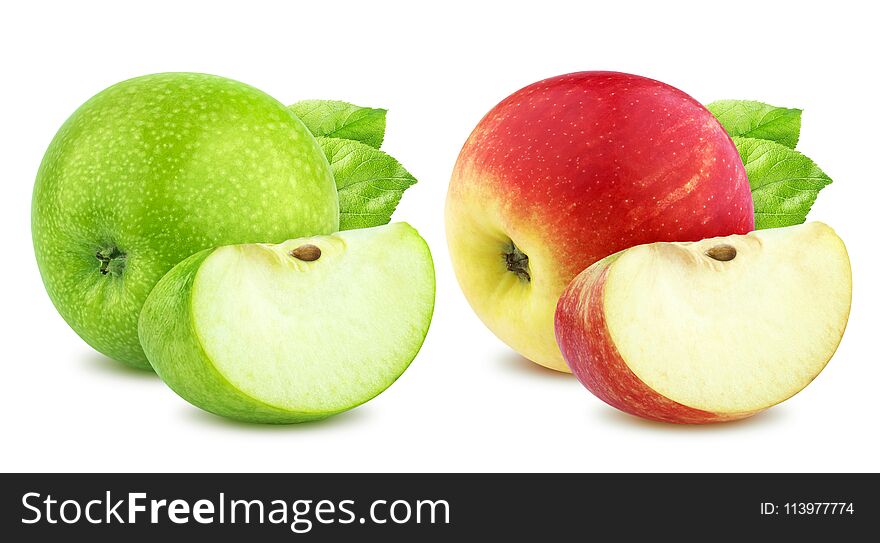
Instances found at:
x=572 y=169
x=254 y=333
x=669 y=332
x=154 y=169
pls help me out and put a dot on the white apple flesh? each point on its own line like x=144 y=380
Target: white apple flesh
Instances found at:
x=713 y=330
x=292 y=332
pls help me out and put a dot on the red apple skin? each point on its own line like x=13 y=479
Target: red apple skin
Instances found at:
x=586 y=345
x=611 y=160
x=580 y=166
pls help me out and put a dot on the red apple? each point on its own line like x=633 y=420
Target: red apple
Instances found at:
x=571 y=169
x=715 y=330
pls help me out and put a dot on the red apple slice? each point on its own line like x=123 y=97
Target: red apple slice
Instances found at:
x=713 y=330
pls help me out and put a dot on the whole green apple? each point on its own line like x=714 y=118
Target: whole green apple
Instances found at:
x=154 y=169
x=295 y=331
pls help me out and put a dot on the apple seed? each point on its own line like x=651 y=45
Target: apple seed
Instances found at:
x=722 y=253
x=307 y=252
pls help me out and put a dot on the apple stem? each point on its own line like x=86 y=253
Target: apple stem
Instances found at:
x=517 y=262
x=307 y=252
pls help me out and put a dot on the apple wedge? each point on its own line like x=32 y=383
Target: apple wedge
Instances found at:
x=713 y=330
x=291 y=332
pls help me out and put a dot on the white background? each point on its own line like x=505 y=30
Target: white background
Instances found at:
x=467 y=403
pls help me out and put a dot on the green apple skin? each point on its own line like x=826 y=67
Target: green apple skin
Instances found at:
x=154 y=169
x=339 y=331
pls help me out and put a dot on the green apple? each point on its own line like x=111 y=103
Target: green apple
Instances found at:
x=291 y=332
x=154 y=169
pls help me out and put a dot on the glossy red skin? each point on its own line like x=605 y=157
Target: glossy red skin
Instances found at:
x=588 y=349
x=606 y=161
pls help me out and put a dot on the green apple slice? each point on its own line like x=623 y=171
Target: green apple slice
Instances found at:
x=291 y=332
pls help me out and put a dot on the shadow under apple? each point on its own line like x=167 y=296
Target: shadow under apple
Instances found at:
x=609 y=415
x=513 y=362
x=98 y=364
x=354 y=417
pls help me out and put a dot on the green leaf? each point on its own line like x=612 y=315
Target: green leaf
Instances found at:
x=750 y=119
x=370 y=182
x=784 y=182
x=335 y=119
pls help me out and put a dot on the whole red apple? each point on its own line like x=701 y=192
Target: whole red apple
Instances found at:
x=574 y=168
